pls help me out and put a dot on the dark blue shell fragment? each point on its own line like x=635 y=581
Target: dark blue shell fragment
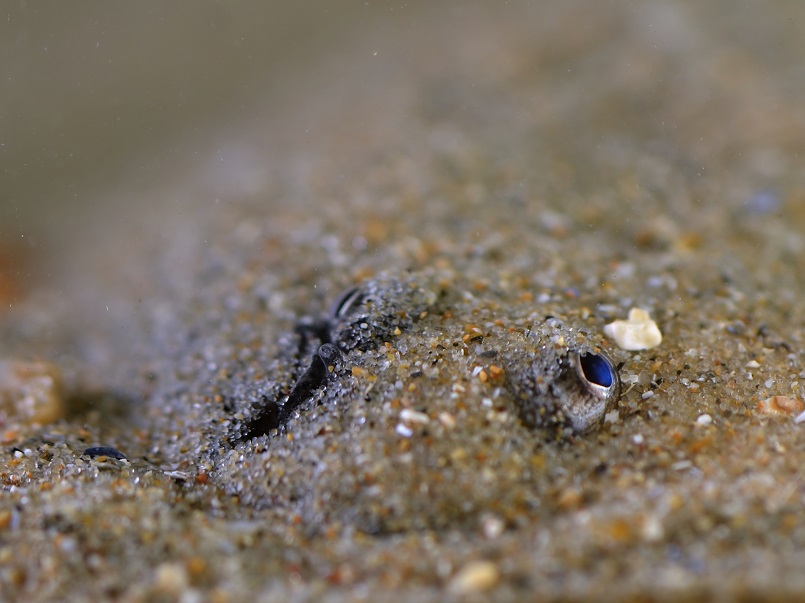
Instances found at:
x=112 y=453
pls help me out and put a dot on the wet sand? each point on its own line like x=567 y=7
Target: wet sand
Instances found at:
x=566 y=160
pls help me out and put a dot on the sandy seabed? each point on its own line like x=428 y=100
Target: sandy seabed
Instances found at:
x=513 y=168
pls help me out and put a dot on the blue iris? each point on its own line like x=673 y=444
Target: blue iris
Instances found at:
x=597 y=369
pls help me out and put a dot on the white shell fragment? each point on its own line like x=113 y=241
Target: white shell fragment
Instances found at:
x=704 y=419
x=475 y=577
x=638 y=332
x=412 y=416
x=781 y=405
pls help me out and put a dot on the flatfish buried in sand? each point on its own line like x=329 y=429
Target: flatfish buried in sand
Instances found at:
x=418 y=402
x=558 y=377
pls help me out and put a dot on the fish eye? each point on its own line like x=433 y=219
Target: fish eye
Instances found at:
x=597 y=369
x=345 y=302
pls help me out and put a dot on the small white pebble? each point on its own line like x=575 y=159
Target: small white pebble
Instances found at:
x=647 y=395
x=638 y=438
x=638 y=332
x=171 y=579
x=800 y=418
x=652 y=530
x=704 y=419
x=446 y=419
x=486 y=402
x=753 y=364
x=612 y=417
x=476 y=576
x=414 y=416
x=403 y=430
x=177 y=475
x=492 y=526
x=497 y=417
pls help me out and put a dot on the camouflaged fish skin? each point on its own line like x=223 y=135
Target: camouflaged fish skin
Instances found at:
x=558 y=378
x=552 y=390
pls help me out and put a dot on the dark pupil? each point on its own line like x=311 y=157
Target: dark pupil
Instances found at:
x=596 y=369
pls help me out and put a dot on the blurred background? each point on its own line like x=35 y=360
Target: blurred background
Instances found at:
x=102 y=104
x=92 y=92
x=119 y=118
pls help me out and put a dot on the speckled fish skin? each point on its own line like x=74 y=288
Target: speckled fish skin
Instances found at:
x=361 y=318
x=383 y=307
x=542 y=365
x=552 y=392
x=547 y=384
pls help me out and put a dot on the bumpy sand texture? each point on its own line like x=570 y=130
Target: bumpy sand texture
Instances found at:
x=530 y=174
